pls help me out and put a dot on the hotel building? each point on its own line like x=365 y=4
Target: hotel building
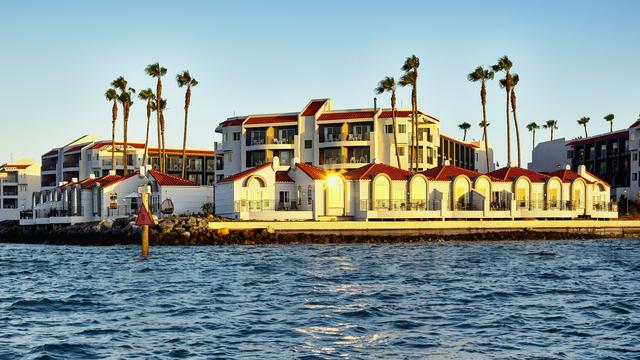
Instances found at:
x=18 y=181
x=333 y=139
x=90 y=156
x=612 y=156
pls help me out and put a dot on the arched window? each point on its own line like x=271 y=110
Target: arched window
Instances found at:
x=418 y=193
x=381 y=189
x=309 y=195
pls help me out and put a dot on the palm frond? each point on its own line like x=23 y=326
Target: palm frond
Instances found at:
x=411 y=63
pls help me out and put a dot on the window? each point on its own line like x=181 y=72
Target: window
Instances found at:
x=388 y=129
x=635 y=176
x=284 y=197
x=228 y=157
x=236 y=136
x=635 y=156
x=308 y=144
x=402 y=128
x=225 y=137
x=401 y=150
x=309 y=197
x=569 y=154
x=113 y=200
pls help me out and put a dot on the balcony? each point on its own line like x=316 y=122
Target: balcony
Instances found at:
x=344 y=137
x=10 y=193
x=265 y=205
x=271 y=142
x=400 y=205
x=49 y=167
x=11 y=178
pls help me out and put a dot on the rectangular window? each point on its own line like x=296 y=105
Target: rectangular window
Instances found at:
x=229 y=157
x=401 y=151
x=635 y=176
x=569 y=154
x=402 y=128
x=225 y=137
x=308 y=144
x=388 y=129
x=635 y=156
x=236 y=136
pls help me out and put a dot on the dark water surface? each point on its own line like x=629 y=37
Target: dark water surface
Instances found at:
x=559 y=299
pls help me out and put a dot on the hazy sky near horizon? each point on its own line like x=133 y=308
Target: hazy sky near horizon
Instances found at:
x=575 y=58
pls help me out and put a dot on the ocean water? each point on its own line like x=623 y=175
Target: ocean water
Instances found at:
x=489 y=300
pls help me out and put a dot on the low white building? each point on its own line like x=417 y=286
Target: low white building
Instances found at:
x=18 y=181
x=113 y=196
x=379 y=191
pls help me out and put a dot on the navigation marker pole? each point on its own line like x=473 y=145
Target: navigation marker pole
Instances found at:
x=144 y=218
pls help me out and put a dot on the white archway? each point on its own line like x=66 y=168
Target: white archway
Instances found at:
x=418 y=192
x=381 y=191
x=334 y=195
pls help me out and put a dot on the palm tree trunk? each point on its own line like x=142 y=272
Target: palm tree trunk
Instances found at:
x=159 y=141
x=414 y=101
x=164 y=159
x=483 y=96
x=114 y=117
x=146 y=139
x=611 y=126
x=159 y=117
x=464 y=137
x=395 y=128
x=124 y=146
x=515 y=123
x=508 y=88
x=552 y=134
x=534 y=139
x=585 y=130
x=187 y=100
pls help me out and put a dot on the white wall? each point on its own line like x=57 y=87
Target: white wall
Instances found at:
x=549 y=156
x=187 y=199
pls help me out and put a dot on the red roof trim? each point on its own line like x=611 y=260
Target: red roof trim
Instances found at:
x=170 y=180
x=17 y=166
x=271 y=119
x=244 y=174
x=313 y=107
x=76 y=148
x=51 y=152
x=346 y=115
x=459 y=141
x=613 y=135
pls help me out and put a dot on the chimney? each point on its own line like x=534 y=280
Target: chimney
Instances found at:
x=74 y=180
x=375 y=105
x=567 y=167
x=92 y=176
x=295 y=161
x=446 y=163
x=275 y=163
x=112 y=172
x=375 y=161
x=582 y=170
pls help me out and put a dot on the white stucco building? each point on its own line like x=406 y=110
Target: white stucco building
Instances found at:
x=18 y=181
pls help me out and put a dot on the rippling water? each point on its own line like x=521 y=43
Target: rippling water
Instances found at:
x=560 y=299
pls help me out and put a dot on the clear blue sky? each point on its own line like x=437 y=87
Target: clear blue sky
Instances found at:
x=575 y=58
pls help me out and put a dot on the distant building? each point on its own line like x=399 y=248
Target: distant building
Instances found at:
x=612 y=156
x=90 y=156
x=18 y=181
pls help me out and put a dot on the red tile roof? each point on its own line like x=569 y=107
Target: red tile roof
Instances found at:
x=104 y=181
x=16 y=166
x=315 y=173
x=313 y=107
x=271 y=119
x=345 y=115
x=233 y=121
x=244 y=174
x=598 y=179
x=283 y=177
x=370 y=170
x=512 y=173
x=170 y=180
x=567 y=175
x=448 y=172
x=613 y=135
x=459 y=141
x=386 y=113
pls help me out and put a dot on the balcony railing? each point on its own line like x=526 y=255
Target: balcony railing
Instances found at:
x=49 y=167
x=564 y=205
x=71 y=164
x=60 y=212
x=254 y=163
x=605 y=206
x=121 y=210
x=345 y=137
x=331 y=161
x=399 y=205
x=265 y=205
x=10 y=193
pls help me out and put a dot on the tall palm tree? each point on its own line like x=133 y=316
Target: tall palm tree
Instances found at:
x=481 y=125
x=583 y=121
x=154 y=108
x=532 y=127
x=126 y=99
x=388 y=84
x=157 y=71
x=185 y=79
x=464 y=127
x=610 y=118
x=112 y=95
x=515 y=78
x=148 y=96
x=410 y=78
x=551 y=125
x=481 y=74
x=504 y=64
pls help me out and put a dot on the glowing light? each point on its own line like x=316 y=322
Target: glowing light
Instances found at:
x=333 y=180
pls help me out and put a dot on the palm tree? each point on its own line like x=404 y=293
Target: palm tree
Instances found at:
x=148 y=96
x=157 y=71
x=410 y=78
x=112 y=95
x=610 y=118
x=532 y=127
x=504 y=64
x=163 y=107
x=185 y=79
x=125 y=98
x=583 y=121
x=481 y=74
x=388 y=84
x=481 y=125
x=551 y=125
x=464 y=127
x=515 y=78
